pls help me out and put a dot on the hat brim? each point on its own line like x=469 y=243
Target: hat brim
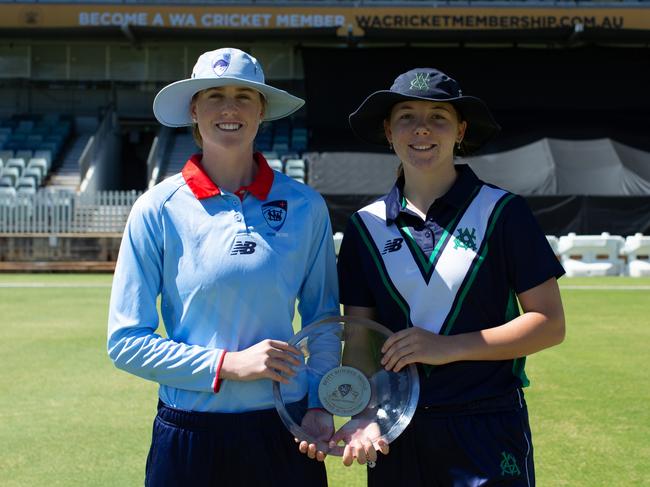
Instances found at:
x=172 y=104
x=367 y=122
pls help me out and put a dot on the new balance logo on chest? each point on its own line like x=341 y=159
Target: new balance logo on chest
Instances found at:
x=243 y=247
x=392 y=245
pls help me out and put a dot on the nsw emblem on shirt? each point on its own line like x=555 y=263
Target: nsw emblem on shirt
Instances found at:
x=275 y=213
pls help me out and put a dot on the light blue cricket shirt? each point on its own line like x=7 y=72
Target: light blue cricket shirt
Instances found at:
x=228 y=272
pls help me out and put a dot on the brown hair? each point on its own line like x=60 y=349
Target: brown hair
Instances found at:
x=196 y=134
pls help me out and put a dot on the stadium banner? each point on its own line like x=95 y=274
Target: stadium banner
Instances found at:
x=346 y=20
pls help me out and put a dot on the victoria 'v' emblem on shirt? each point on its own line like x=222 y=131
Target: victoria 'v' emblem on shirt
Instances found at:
x=430 y=289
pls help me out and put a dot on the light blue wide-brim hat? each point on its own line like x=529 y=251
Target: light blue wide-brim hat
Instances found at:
x=223 y=67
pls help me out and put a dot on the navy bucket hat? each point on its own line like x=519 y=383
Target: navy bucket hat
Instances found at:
x=425 y=84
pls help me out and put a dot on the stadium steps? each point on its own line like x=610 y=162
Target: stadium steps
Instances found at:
x=181 y=148
x=67 y=175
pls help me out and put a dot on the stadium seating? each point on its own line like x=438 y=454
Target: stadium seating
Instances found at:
x=29 y=144
x=296 y=169
x=44 y=154
x=275 y=164
x=39 y=164
x=17 y=162
x=34 y=174
x=284 y=138
x=10 y=174
x=591 y=255
x=637 y=251
x=299 y=139
x=264 y=139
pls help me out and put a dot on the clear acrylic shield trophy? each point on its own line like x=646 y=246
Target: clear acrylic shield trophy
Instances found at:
x=340 y=371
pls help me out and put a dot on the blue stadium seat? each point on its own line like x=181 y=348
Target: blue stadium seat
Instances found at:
x=24 y=182
x=275 y=164
x=6 y=181
x=24 y=127
x=18 y=137
x=44 y=154
x=50 y=119
x=299 y=139
x=24 y=154
x=270 y=155
x=35 y=137
x=10 y=174
x=34 y=173
x=296 y=169
x=52 y=147
x=17 y=162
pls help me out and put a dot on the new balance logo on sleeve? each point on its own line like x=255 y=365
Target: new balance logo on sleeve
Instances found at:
x=392 y=245
x=243 y=247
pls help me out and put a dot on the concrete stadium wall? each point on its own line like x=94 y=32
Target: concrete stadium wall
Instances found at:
x=51 y=253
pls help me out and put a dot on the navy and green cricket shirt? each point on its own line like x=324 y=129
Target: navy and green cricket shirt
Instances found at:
x=458 y=271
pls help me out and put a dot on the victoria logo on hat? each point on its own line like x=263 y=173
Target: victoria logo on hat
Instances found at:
x=424 y=84
x=223 y=67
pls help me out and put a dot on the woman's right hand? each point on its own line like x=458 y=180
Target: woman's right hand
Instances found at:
x=264 y=360
x=362 y=438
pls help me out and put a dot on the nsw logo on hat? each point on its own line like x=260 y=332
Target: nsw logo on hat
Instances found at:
x=220 y=65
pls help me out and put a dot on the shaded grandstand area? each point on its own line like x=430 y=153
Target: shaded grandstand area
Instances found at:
x=573 y=93
x=31 y=149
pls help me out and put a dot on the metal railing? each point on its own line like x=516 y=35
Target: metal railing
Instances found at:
x=57 y=212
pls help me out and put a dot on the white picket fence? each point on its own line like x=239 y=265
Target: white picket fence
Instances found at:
x=59 y=212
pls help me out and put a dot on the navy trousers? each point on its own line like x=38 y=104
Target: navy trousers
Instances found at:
x=225 y=449
x=486 y=443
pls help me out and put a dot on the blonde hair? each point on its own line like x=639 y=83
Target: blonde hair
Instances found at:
x=196 y=134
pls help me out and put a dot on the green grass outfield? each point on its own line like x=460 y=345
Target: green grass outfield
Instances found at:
x=69 y=418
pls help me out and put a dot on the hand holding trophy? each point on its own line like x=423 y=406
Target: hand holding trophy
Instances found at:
x=341 y=377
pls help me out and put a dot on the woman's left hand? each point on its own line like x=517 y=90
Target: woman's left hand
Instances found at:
x=320 y=425
x=415 y=345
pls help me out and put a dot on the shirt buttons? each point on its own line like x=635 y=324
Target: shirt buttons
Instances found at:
x=238 y=218
x=427 y=234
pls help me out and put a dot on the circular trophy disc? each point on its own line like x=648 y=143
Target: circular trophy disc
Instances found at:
x=340 y=371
